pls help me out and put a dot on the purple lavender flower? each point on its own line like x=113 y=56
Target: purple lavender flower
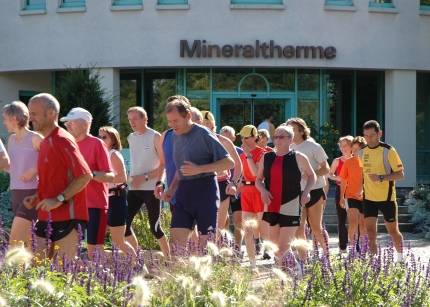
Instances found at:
x=33 y=237
x=48 y=232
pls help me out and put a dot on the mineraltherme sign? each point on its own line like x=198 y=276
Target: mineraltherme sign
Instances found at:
x=199 y=48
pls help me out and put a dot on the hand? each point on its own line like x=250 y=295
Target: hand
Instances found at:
x=305 y=177
x=359 y=194
x=190 y=169
x=136 y=181
x=30 y=201
x=230 y=189
x=26 y=176
x=324 y=203
x=158 y=191
x=48 y=204
x=374 y=177
x=167 y=196
x=245 y=148
x=266 y=197
x=342 y=202
x=305 y=198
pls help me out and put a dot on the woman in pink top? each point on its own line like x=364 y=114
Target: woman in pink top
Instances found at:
x=23 y=148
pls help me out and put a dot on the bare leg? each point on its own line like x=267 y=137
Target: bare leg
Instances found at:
x=20 y=231
x=315 y=221
x=393 y=230
x=117 y=234
x=249 y=241
x=372 y=232
x=223 y=213
x=238 y=231
x=286 y=236
x=132 y=240
x=179 y=236
x=353 y=218
x=164 y=245
x=100 y=250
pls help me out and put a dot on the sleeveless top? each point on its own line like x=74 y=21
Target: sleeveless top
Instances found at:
x=282 y=178
x=224 y=175
x=169 y=162
x=22 y=157
x=339 y=168
x=143 y=157
x=112 y=185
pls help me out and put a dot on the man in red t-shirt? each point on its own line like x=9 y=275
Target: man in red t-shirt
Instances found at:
x=252 y=206
x=78 y=123
x=63 y=174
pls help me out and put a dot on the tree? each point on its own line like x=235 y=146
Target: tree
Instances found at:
x=82 y=88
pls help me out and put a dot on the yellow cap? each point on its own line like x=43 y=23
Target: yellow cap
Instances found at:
x=208 y=116
x=248 y=131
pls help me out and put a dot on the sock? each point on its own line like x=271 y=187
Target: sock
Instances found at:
x=252 y=265
x=399 y=256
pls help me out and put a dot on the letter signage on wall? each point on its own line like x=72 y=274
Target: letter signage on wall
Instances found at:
x=199 y=48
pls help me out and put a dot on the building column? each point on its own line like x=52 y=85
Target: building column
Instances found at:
x=400 y=120
x=109 y=81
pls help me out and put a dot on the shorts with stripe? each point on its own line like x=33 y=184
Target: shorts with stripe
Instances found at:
x=97 y=226
x=388 y=209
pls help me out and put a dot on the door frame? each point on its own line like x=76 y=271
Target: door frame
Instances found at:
x=289 y=100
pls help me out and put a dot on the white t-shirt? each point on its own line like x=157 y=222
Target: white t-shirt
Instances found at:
x=265 y=125
x=316 y=155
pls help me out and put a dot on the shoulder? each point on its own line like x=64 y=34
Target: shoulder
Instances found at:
x=385 y=145
x=155 y=132
x=36 y=136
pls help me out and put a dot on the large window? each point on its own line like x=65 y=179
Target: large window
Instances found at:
x=308 y=95
x=381 y=3
x=423 y=125
x=425 y=4
x=339 y=2
x=127 y=2
x=72 y=3
x=35 y=4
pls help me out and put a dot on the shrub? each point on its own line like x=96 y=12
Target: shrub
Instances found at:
x=418 y=202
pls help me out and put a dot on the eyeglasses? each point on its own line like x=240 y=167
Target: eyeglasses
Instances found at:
x=104 y=137
x=281 y=137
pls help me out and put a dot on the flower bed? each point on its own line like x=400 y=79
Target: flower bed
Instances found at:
x=418 y=202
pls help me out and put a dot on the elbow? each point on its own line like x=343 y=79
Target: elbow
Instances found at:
x=231 y=163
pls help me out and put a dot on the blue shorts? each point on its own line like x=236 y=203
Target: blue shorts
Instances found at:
x=96 y=226
x=197 y=200
x=117 y=213
x=222 y=187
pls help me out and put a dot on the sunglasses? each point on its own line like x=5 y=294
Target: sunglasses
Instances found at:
x=104 y=137
x=281 y=137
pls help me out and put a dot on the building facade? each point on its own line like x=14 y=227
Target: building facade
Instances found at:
x=339 y=62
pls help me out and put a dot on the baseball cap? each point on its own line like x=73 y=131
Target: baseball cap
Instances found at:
x=78 y=113
x=247 y=131
x=208 y=116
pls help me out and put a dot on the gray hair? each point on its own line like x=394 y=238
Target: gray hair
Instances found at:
x=19 y=110
x=196 y=115
x=227 y=129
x=287 y=129
x=50 y=101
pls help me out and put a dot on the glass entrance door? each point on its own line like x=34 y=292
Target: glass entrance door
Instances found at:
x=238 y=112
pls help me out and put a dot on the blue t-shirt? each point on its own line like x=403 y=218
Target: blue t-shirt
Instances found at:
x=169 y=163
x=199 y=146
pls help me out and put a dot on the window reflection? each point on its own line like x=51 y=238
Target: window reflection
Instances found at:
x=308 y=94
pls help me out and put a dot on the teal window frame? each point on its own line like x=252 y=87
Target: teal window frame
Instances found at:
x=72 y=4
x=257 y=2
x=172 y=2
x=339 y=2
x=34 y=6
x=384 y=5
x=425 y=7
x=127 y=2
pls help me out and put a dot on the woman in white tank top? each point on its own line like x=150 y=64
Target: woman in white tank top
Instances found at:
x=118 y=208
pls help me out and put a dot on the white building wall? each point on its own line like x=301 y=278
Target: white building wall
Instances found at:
x=150 y=37
x=12 y=83
x=400 y=120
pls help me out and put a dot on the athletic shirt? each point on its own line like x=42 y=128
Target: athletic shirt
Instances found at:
x=22 y=157
x=169 y=163
x=339 y=168
x=112 y=185
x=97 y=157
x=61 y=162
x=224 y=175
x=353 y=172
x=282 y=177
x=267 y=126
x=374 y=161
x=316 y=155
x=256 y=154
x=143 y=157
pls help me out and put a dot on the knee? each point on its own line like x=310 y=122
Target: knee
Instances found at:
x=371 y=233
x=157 y=232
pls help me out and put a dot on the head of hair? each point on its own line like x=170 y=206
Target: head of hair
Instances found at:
x=288 y=130
x=361 y=141
x=262 y=133
x=114 y=136
x=302 y=126
x=347 y=138
x=196 y=114
x=227 y=129
x=179 y=103
x=19 y=110
x=50 y=102
x=139 y=110
x=268 y=114
x=371 y=124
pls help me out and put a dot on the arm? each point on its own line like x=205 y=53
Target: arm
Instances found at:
x=36 y=139
x=189 y=168
x=394 y=176
x=342 y=193
x=333 y=169
x=266 y=197
x=167 y=196
x=228 y=145
x=324 y=169
x=159 y=189
x=4 y=161
x=119 y=167
x=253 y=167
x=7 y=167
x=306 y=168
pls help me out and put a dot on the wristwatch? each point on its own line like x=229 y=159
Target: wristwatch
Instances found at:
x=146 y=176
x=94 y=173
x=381 y=177
x=249 y=156
x=62 y=199
x=235 y=182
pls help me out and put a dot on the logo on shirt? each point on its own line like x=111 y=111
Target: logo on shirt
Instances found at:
x=147 y=147
x=46 y=160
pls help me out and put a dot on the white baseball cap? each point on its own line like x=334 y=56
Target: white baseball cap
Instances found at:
x=78 y=113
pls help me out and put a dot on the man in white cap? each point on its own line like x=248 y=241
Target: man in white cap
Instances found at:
x=94 y=151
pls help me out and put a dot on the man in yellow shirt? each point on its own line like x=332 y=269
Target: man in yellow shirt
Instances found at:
x=381 y=168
